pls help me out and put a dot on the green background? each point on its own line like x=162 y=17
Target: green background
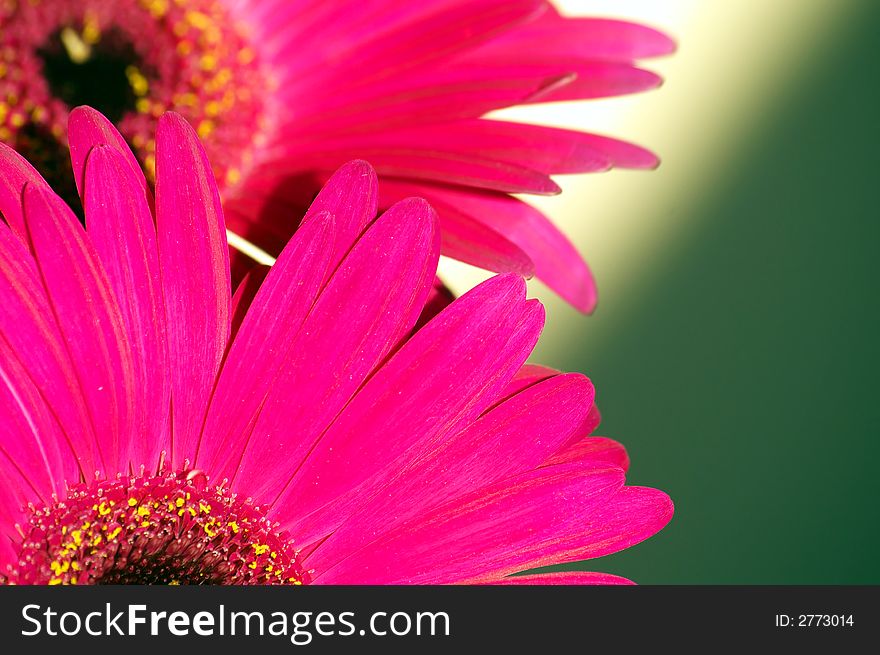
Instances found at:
x=744 y=381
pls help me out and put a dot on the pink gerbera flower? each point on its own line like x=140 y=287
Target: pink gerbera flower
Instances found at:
x=158 y=429
x=283 y=92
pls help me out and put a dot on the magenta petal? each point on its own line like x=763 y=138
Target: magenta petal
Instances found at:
x=350 y=197
x=244 y=296
x=438 y=382
x=594 y=79
x=556 y=261
x=372 y=302
x=87 y=128
x=439 y=298
x=88 y=317
x=27 y=324
x=433 y=36
x=195 y=277
x=464 y=237
x=527 y=376
x=587 y=38
x=449 y=93
x=261 y=348
x=491 y=532
x=510 y=439
x=33 y=449
x=593 y=449
x=15 y=174
x=122 y=231
x=631 y=516
x=567 y=578
x=543 y=149
x=436 y=165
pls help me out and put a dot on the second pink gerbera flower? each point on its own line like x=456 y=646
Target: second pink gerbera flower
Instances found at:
x=158 y=429
x=283 y=92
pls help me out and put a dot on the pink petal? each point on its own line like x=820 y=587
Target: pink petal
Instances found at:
x=15 y=174
x=593 y=449
x=556 y=261
x=583 y=38
x=261 y=348
x=525 y=377
x=631 y=516
x=543 y=149
x=439 y=298
x=88 y=317
x=350 y=197
x=121 y=228
x=27 y=324
x=510 y=439
x=369 y=305
x=195 y=277
x=438 y=382
x=15 y=493
x=464 y=237
x=496 y=530
x=87 y=128
x=595 y=79
x=447 y=94
x=438 y=165
x=33 y=450
x=430 y=38
x=567 y=578
x=244 y=296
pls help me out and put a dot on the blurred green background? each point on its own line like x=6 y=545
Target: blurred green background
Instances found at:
x=741 y=373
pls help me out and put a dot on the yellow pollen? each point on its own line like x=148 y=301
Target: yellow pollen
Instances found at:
x=198 y=20
x=208 y=62
x=205 y=128
x=132 y=502
x=233 y=175
x=59 y=568
x=78 y=50
x=138 y=82
x=91 y=30
x=157 y=8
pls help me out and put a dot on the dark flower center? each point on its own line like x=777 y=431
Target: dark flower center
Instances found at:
x=103 y=75
x=173 y=529
x=132 y=60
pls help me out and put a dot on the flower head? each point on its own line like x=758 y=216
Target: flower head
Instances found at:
x=159 y=429
x=284 y=92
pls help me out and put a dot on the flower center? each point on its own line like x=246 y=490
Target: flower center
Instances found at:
x=132 y=60
x=173 y=529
